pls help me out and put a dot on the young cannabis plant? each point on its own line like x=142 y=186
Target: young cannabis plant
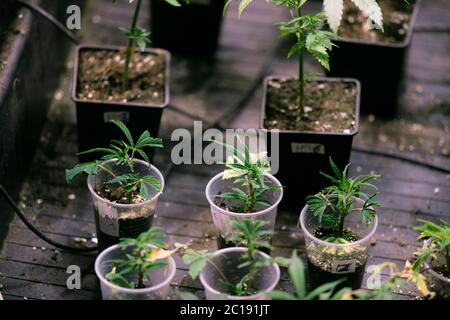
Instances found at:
x=309 y=32
x=147 y=253
x=438 y=245
x=136 y=36
x=332 y=205
x=249 y=232
x=122 y=153
x=248 y=171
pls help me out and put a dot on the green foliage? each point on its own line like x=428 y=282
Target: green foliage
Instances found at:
x=438 y=244
x=137 y=36
x=249 y=232
x=123 y=153
x=141 y=261
x=332 y=205
x=247 y=170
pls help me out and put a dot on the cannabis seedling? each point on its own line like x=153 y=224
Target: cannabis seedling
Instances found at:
x=136 y=36
x=332 y=205
x=309 y=32
x=147 y=253
x=437 y=246
x=122 y=153
x=247 y=170
x=249 y=232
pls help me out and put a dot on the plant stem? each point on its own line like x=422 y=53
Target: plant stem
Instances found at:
x=301 y=70
x=447 y=255
x=130 y=48
x=141 y=278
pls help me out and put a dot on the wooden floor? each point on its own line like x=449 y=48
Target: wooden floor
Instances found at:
x=226 y=95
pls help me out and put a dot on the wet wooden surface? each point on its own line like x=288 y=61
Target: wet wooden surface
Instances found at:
x=226 y=94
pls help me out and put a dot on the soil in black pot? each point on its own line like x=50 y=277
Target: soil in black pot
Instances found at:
x=329 y=106
x=100 y=77
x=396 y=22
x=318 y=277
x=222 y=243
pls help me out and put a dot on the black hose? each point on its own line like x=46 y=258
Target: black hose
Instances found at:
x=22 y=217
x=47 y=16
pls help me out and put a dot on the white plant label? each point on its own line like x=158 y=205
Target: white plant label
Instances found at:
x=343 y=266
x=307 y=148
x=109 y=226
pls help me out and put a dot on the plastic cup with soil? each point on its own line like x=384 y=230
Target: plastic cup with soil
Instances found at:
x=438 y=278
x=227 y=261
x=329 y=261
x=115 y=216
x=99 y=94
x=360 y=44
x=306 y=142
x=157 y=283
x=224 y=211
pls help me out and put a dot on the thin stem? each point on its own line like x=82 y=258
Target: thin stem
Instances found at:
x=110 y=173
x=301 y=70
x=141 y=278
x=130 y=47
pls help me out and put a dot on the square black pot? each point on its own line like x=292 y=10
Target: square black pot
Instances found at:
x=302 y=155
x=94 y=129
x=193 y=28
x=378 y=66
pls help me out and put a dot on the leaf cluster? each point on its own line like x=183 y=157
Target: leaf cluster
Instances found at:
x=122 y=153
x=248 y=232
x=437 y=246
x=332 y=205
x=247 y=170
x=142 y=259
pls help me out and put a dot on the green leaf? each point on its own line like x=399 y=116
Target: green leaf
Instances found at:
x=125 y=130
x=297 y=274
x=90 y=168
x=119 y=280
x=196 y=260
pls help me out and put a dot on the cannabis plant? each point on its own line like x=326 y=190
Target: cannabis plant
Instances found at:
x=309 y=32
x=147 y=253
x=438 y=245
x=136 y=36
x=332 y=205
x=247 y=170
x=249 y=232
x=122 y=153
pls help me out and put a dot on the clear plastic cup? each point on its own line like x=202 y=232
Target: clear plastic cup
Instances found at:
x=328 y=261
x=227 y=261
x=159 y=278
x=222 y=218
x=114 y=220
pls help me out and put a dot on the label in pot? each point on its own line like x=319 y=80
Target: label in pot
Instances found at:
x=123 y=116
x=343 y=266
x=109 y=226
x=316 y=148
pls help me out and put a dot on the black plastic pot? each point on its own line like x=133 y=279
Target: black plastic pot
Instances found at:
x=378 y=66
x=94 y=129
x=193 y=28
x=302 y=155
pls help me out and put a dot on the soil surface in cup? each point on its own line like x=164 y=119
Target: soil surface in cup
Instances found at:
x=100 y=77
x=329 y=106
x=318 y=277
x=222 y=243
x=396 y=22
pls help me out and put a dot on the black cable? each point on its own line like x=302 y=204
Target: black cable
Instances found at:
x=22 y=217
x=47 y=16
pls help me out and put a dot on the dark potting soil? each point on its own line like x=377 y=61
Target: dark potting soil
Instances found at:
x=396 y=22
x=100 y=77
x=329 y=106
x=318 y=277
x=222 y=243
